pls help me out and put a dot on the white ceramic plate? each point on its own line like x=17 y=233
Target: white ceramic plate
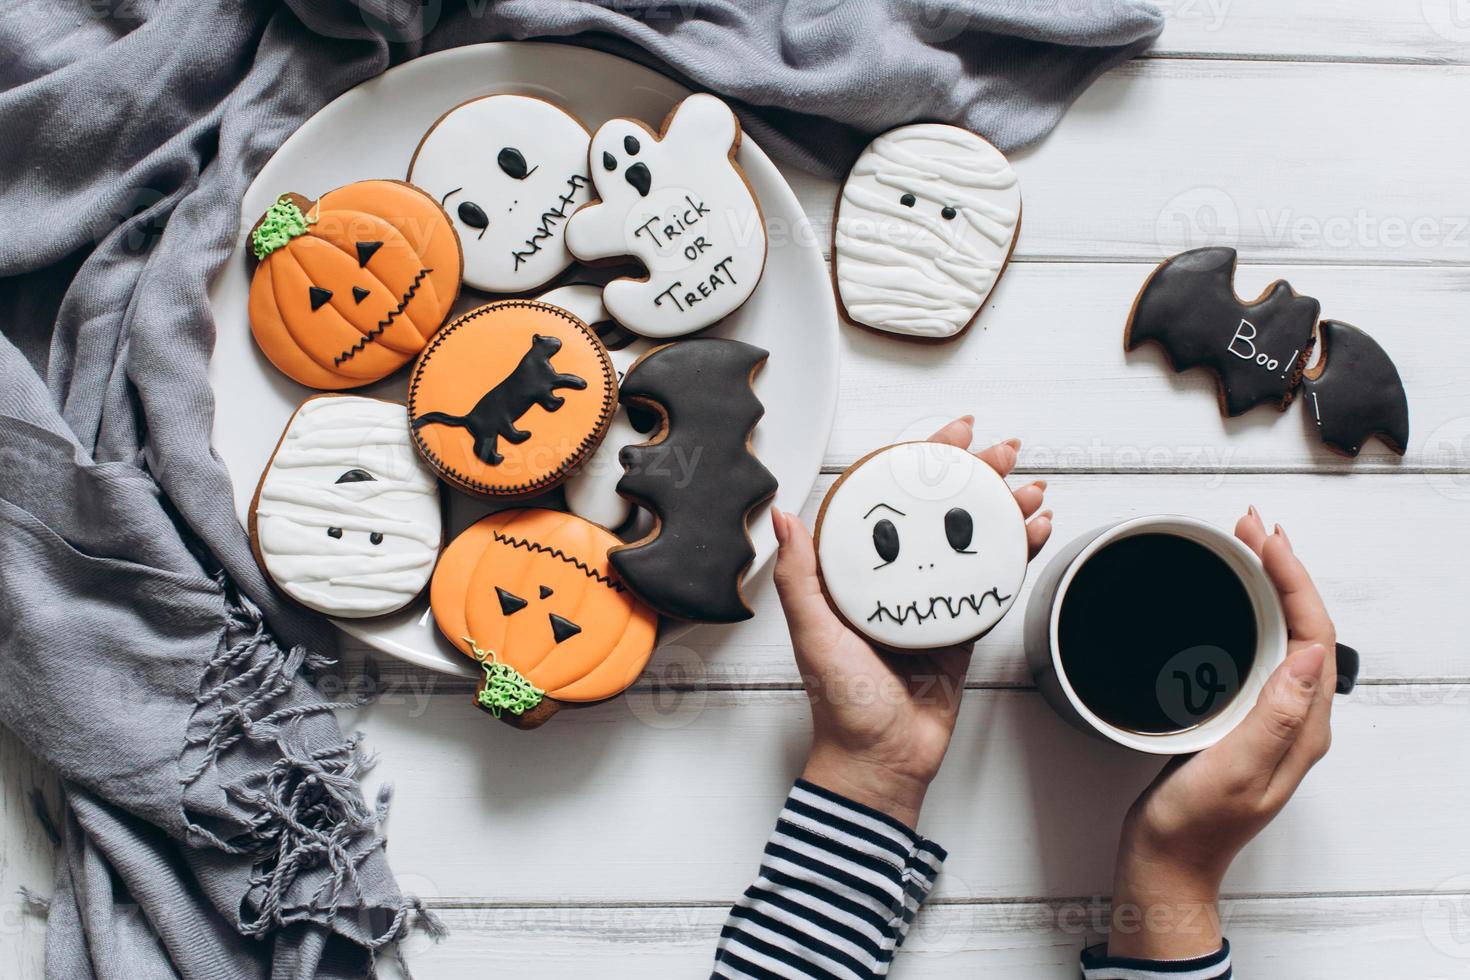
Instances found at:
x=372 y=131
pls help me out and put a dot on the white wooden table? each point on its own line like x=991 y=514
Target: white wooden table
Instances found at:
x=1329 y=140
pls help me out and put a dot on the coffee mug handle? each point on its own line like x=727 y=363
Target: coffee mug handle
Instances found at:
x=1348 y=663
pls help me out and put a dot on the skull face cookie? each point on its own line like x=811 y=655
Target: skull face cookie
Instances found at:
x=678 y=203
x=509 y=170
x=346 y=518
x=921 y=545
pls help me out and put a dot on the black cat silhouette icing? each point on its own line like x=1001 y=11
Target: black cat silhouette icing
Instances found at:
x=1256 y=349
x=533 y=382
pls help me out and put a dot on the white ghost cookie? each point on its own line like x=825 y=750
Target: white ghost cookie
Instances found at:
x=591 y=492
x=346 y=519
x=678 y=203
x=921 y=545
x=925 y=226
x=509 y=170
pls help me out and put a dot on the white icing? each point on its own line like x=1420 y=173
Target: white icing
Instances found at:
x=907 y=269
x=300 y=499
x=591 y=492
x=930 y=595
x=698 y=231
x=524 y=243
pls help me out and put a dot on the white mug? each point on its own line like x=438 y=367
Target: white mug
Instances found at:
x=1043 y=650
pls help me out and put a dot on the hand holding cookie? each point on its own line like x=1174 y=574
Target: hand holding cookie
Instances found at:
x=882 y=721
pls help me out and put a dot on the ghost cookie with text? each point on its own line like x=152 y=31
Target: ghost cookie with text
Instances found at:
x=1257 y=349
x=677 y=202
x=921 y=545
x=529 y=594
x=925 y=226
x=346 y=519
x=511 y=397
x=509 y=170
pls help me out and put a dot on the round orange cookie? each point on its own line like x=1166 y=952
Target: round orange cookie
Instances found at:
x=350 y=287
x=531 y=595
x=508 y=399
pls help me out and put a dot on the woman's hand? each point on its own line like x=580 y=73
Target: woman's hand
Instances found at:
x=1181 y=835
x=881 y=721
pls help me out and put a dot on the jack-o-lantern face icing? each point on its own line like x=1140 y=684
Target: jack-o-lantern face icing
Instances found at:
x=920 y=546
x=509 y=170
x=346 y=520
x=349 y=288
x=531 y=595
x=511 y=397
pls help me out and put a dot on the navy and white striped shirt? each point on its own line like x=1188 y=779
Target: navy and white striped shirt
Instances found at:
x=838 y=888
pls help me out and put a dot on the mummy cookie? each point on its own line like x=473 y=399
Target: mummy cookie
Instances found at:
x=347 y=289
x=1256 y=349
x=591 y=491
x=920 y=546
x=678 y=202
x=529 y=594
x=346 y=519
x=510 y=170
x=1354 y=392
x=925 y=226
x=698 y=476
x=511 y=397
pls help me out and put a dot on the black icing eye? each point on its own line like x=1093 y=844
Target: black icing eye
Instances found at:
x=359 y=294
x=948 y=213
x=513 y=163
x=546 y=592
x=631 y=146
x=609 y=162
x=366 y=250
x=509 y=601
x=959 y=528
x=376 y=537
x=319 y=297
x=562 y=629
x=356 y=476
x=334 y=532
x=907 y=200
x=885 y=540
x=472 y=215
x=639 y=177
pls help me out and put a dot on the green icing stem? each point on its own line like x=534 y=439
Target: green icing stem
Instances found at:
x=283 y=221
x=505 y=688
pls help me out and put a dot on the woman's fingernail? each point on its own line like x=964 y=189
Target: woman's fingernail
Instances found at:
x=1040 y=485
x=1305 y=668
x=968 y=420
x=1282 y=531
x=1253 y=512
x=1046 y=513
x=778 y=524
x=1014 y=444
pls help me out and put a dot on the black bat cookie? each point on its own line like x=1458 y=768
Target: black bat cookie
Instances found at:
x=1354 y=391
x=697 y=475
x=1257 y=349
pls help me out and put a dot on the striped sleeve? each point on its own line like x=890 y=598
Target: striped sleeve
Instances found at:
x=1097 y=965
x=838 y=888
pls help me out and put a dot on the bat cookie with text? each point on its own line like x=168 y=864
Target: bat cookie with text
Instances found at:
x=1354 y=392
x=529 y=594
x=1257 y=350
x=348 y=289
x=921 y=545
x=511 y=397
x=678 y=202
x=698 y=476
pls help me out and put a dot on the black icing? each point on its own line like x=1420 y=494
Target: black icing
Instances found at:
x=639 y=177
x=562 y=629
x=546 y=592
x=533 y=382
x=947 y=213
x=1355 y=392
x=319 y=297
x=334 y=532
x=356 y=476
x=509 y=601
x=376 y=537
x=908 y=200
x=609 y=162
x=359 y=294
x=959 y=529
x=473 y=215
x=1189 y=307
x=366 y=250
x=513 y=163
x=630 y=145
x=885 y=541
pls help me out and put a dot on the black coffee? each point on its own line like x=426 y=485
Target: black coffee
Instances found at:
x=1156 y=633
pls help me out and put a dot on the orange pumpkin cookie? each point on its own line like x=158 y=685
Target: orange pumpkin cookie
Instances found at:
x=530 y=595
x=509 y=398
x=349 y=288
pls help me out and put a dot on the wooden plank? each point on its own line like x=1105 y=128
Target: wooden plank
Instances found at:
x=26 y=857
x=1302 y=938
x=662 y=799
x=1330 y=163
x=1387 y=552
x=1424 y=31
